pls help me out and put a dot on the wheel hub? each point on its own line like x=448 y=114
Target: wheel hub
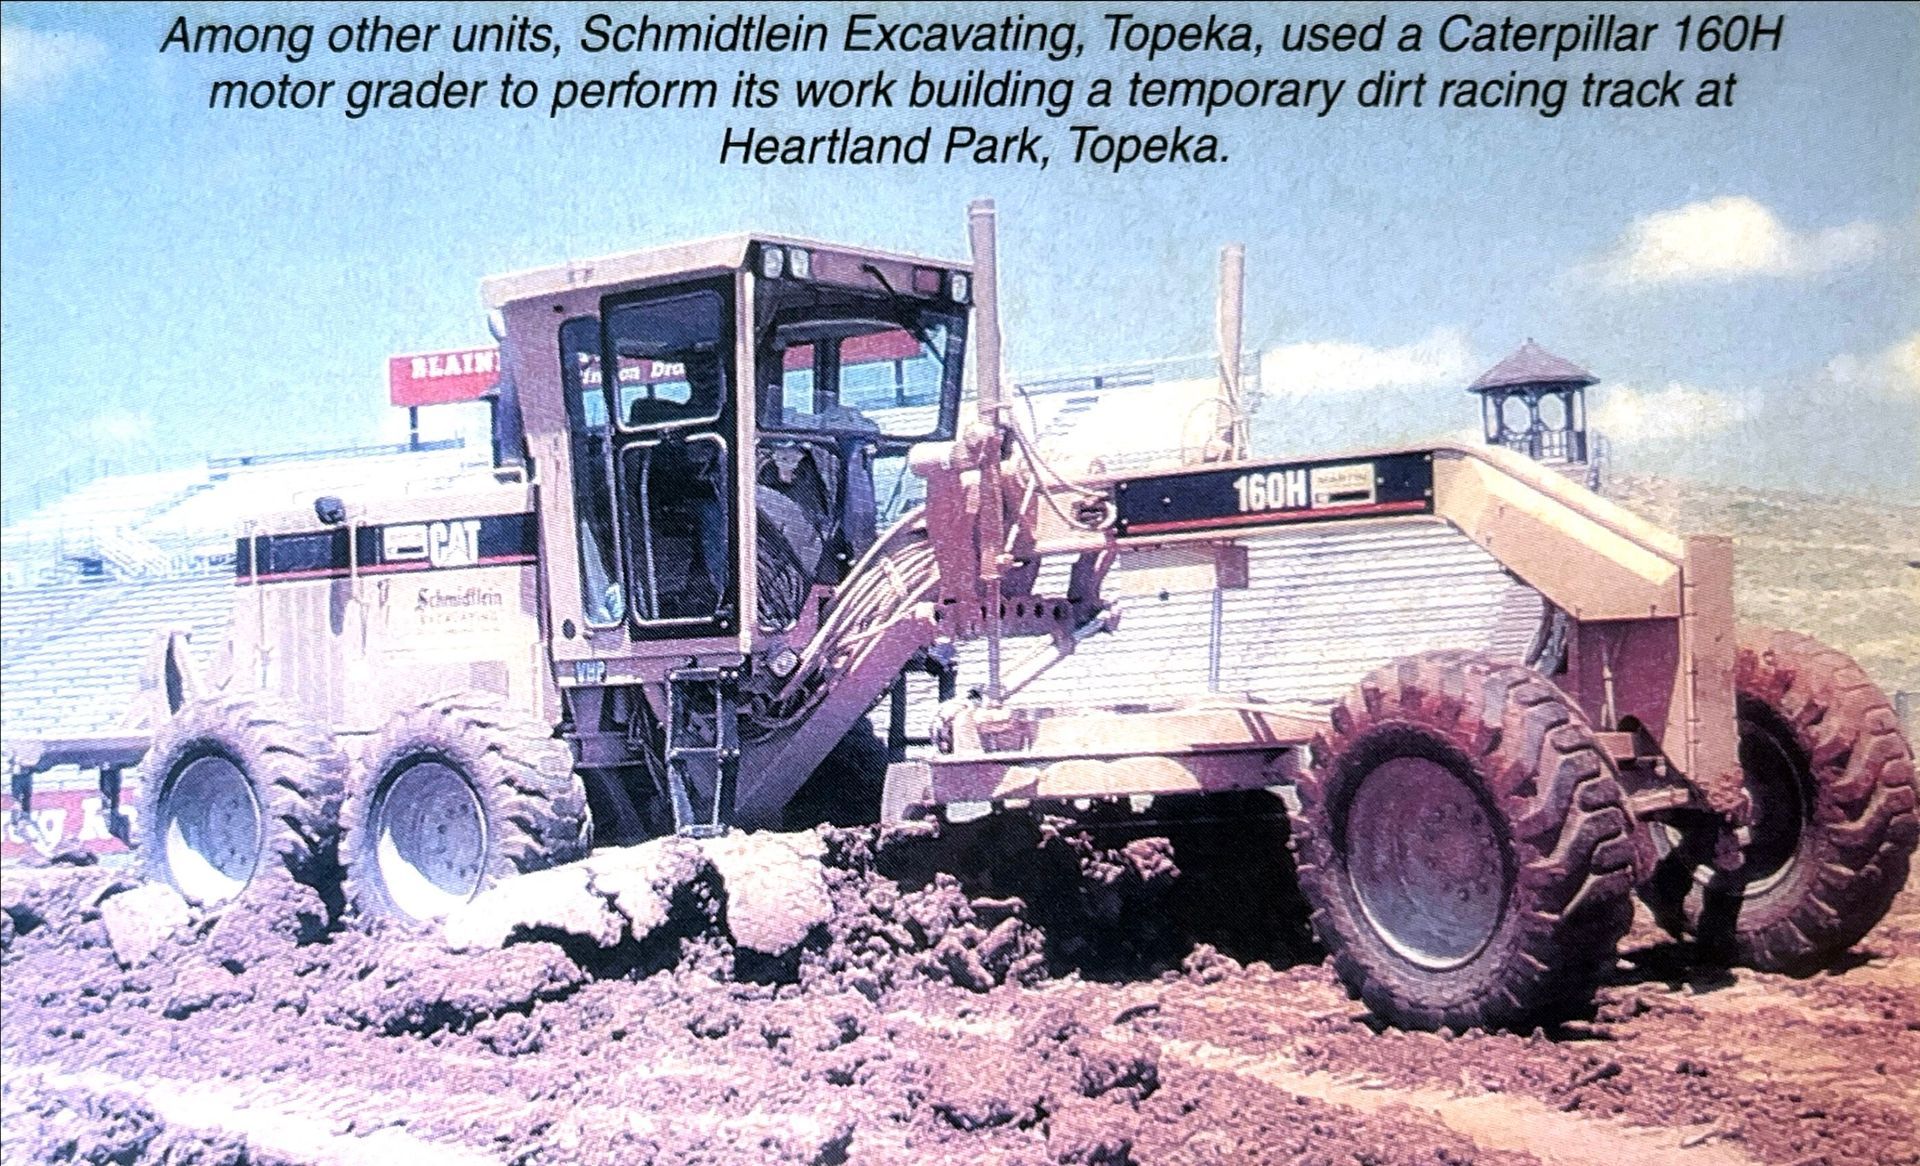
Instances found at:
x=432 y=840
x=1778 y=789
x=1426 y=862
x=213 y=831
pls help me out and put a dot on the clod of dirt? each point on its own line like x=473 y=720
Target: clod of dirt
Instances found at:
x=776 y=894
x=895 y=922
x=561 y=899
x=140 y=920
x=1080 y=1089
x=774 y=891
x=642 y=881
x=200 y=988
x=1087 y=1133
x=265 y=922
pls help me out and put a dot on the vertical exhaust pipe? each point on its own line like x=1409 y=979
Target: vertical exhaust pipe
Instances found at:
x=991 y=430
x=1229 y=310
x=986 y=310
x=1229 y=441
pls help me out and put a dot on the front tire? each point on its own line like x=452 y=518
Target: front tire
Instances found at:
x=453 y=797
x=1833 y=829
x=235 y=791
x=1463 y=843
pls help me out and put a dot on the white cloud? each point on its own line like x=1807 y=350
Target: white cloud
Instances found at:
x=1732 y=237
x=1441 y=358
x=1894 y=370
x=34 y=64
x=1677 y=412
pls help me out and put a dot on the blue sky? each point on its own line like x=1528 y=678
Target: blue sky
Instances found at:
x=176 y=283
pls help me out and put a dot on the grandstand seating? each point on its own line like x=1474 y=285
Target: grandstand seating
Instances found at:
x=1126 y=418
x=71 y=653
x=178 y=521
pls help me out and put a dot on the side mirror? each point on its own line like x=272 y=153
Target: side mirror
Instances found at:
x=330 y=510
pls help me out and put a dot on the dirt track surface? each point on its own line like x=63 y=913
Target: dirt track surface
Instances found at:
x=1076 y=1007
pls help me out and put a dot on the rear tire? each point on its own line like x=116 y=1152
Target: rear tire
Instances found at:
x=1464 y=846
x=453 y=797
x=1833 y=830
x=238 y=790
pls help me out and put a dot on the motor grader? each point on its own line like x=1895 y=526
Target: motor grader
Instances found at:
x=675 y=609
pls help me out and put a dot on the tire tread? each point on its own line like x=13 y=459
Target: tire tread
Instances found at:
x=1856 y=847
x=522 y=774
x=1544 y=774
x=294 y=766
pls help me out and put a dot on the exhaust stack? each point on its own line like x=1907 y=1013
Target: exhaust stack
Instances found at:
x=986 y=311
x=1229 y=310
x=990 y=440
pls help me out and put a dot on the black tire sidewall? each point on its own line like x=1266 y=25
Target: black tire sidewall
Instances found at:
x=1446 y=989
x=491 y=752
x=292 y=769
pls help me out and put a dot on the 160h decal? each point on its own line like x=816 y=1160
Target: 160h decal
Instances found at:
x=1284 y=492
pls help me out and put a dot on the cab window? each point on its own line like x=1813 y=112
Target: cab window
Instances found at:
x=602 y=597
x=848 y=372
x=670 y=355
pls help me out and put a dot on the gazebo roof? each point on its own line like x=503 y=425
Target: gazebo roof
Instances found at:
x=1531 y=364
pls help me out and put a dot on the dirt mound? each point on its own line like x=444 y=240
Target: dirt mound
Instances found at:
x=793 y=948
x=1035 y=898
x=1010 y=990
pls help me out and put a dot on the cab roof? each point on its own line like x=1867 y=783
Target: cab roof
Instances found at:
x=720 y=253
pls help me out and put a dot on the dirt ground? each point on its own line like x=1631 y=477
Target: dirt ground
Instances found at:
x=1094 y=999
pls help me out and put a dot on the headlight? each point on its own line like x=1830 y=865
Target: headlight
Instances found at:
x=958 y=286
x=800 y=263
x=772 y=262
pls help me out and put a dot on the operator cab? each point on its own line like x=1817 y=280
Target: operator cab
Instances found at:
x=763 y=394
x=851 y=375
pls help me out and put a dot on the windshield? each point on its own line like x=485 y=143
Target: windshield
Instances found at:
x=852 y=364
x=671 y=356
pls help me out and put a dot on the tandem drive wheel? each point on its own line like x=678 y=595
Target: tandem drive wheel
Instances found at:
x=1463 y=844
x=452 y=797
x=236 y=790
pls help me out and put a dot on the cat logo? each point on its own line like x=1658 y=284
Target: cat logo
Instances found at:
x=454 y=544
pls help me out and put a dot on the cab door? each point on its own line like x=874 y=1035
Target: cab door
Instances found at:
x=670 y=352
x=650 y=414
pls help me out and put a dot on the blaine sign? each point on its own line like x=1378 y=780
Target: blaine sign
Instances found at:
x=442 y=378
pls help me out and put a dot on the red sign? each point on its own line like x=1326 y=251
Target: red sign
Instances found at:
x=60 y=818
x=442 y=378
x=871 y=348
